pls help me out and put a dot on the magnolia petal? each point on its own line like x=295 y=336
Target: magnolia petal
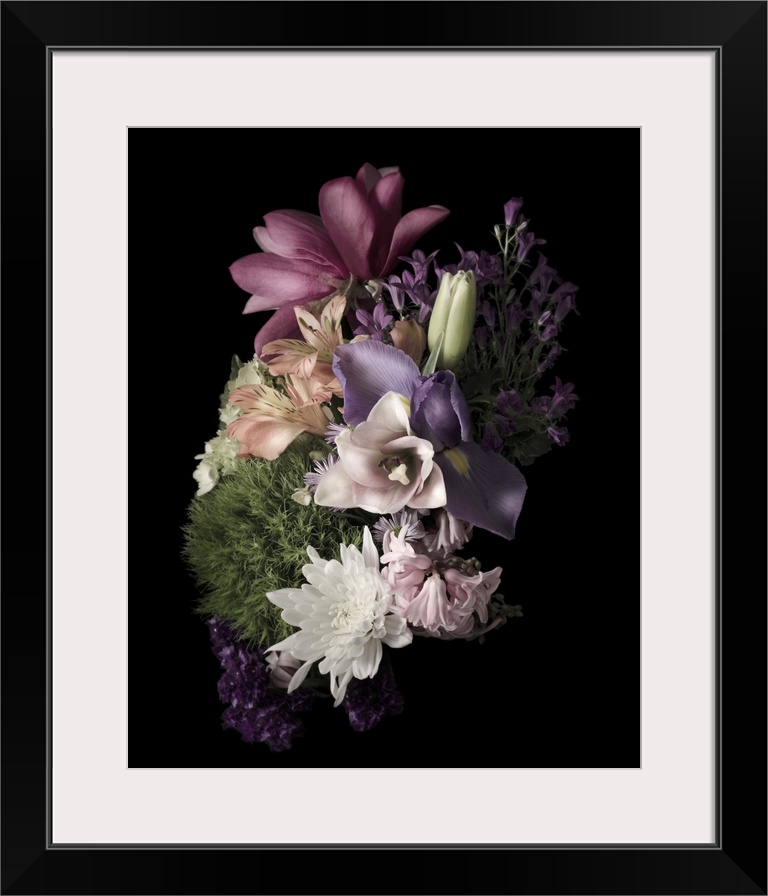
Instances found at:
x=349 y=220
x=482 y=488
x=367 y=371
x=273 y=280
x=295 y=234
x=411 y=228
x=386 y=200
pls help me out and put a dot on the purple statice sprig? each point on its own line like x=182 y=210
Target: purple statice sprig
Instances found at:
x=258 y=711
x=370 y=700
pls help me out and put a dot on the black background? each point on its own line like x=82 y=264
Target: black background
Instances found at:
x=735 y=863
x=559 y=687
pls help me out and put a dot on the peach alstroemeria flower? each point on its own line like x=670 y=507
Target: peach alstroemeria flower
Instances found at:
x=272 y=419
x=312 y=356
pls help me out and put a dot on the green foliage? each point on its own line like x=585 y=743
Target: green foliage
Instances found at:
x=248 y=536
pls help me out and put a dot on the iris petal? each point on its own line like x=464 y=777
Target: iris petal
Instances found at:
x=483 y=488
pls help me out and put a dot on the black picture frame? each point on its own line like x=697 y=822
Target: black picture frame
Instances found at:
x=736 y=31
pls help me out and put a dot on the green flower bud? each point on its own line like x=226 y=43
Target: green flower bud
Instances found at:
x=454 y=316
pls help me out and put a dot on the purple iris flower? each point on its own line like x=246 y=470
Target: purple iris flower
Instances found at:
x=481 y=487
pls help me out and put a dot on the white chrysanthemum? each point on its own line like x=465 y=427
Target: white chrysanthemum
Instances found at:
x=344 y=614
x=250 y=374
x=218 y=459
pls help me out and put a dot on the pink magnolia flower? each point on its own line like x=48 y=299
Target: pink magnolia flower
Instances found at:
x=360 y=234
x=383 y=467
x=271 y=419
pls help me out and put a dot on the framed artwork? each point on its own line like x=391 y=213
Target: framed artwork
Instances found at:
x=585 y=746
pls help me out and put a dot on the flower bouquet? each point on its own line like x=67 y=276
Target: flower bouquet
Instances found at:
x=391 y=403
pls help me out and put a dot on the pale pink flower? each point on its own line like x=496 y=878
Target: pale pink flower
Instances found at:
x=383 y=467
x=405 y=570
x=437 y=599
x=272 y=419
x=447 y=534
x=282 y=667
x=311 y=356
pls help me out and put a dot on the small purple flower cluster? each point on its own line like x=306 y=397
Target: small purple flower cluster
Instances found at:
x=370 y=700
x=258 y=711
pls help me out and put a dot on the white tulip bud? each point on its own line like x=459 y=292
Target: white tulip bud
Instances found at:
x=454 y=316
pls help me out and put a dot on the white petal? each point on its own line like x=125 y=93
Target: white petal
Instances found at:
x=398 y=633
x=367 y=665
x=340 y=689
x=370 y=554
x=285 y=597
x=299 y=675
x=335 y=488
x=285 y=644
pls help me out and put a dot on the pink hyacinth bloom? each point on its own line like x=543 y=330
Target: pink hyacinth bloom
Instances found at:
x=360 y=234
x=437 y=599
x=405 y=570
x=447 y=535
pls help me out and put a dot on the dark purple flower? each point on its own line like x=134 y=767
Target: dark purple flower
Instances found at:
x=555 y=350
x=482 y=337
x=370 y=700
x=421 y=263
x=373 y=323
x=541 y=404
x=512 y=210
x=439 y=411
x=491 y=439
x=564 y=298
x=394 y=286
x=505 y=424
x=487 y=268
x=550 y=332
x=526 y=240
x=514 y=315
x=558 y=434
x=564 y=399
x=508 y=403
x=259 y=711
x=487 y=311
x=414 y=283
x=482 y=488
x=543 y=275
